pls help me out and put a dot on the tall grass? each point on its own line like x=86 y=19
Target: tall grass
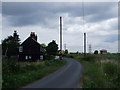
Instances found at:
x=100 y=71
x=17 y=74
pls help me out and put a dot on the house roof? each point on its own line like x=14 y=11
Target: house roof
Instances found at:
x=30 y=38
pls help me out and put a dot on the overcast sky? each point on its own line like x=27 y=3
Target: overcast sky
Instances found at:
x=101 y=23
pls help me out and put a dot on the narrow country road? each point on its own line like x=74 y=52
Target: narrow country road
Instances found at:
x=66 y=77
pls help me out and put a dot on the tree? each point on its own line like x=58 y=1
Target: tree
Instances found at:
x=43 y=44
x=52 y=48
x=66 y=51
x=96 y=52
x=10 y=45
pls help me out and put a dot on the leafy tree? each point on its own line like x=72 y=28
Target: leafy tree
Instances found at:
x=10 y=45
x=43 y=45
x=96 y=52
x=77 y=52
x=52 y=48
x=66 y=51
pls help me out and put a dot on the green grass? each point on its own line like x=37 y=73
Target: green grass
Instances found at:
x=92 y=77
x=100 y=71
x=15 y=75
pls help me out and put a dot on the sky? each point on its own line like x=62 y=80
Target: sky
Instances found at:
x=100 y=23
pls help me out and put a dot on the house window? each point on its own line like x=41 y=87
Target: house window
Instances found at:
x=30 y=57
x=21 y=49
x=41 y=57
x=26 y=57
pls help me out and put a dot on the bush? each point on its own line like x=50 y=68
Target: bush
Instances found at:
x=96 y=52
x=49 y=57
x=10 y=66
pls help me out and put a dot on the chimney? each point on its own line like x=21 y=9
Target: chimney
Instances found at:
x=60 y=33
x=15 y=35
x=84 y=43
x=33 y=36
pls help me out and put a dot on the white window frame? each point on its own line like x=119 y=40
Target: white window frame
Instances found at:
x=41 y=57
x=21 y=49
x=26 y=57
x=30 y=57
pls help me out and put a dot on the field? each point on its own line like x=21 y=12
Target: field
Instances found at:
x=17 y=74
x=100 y=71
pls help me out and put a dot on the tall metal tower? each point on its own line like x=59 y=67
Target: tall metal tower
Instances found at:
x=90 y=48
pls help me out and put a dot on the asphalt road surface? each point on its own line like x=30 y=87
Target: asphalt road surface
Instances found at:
x=66 y=77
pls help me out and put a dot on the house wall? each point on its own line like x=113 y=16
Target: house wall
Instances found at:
x=103 y=52
x=31 y=51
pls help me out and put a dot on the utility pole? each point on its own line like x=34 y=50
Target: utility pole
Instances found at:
x=84 y=44
x=60 y=38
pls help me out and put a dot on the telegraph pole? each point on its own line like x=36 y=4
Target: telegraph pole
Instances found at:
x=60 y=38
x=84 y=44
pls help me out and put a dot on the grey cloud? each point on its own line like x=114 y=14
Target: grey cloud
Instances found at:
x=29 y=19
x=99 y=17
x=112 y=38
x=26 y=13
x=100 y=11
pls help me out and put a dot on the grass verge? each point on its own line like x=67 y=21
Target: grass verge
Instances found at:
x=17 y=74
x=100 y=71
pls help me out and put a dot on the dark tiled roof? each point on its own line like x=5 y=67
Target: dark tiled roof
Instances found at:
x=30 y=38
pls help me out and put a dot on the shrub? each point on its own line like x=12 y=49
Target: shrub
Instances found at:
x=49 y=57
x=10 y=66
x=96 y=52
